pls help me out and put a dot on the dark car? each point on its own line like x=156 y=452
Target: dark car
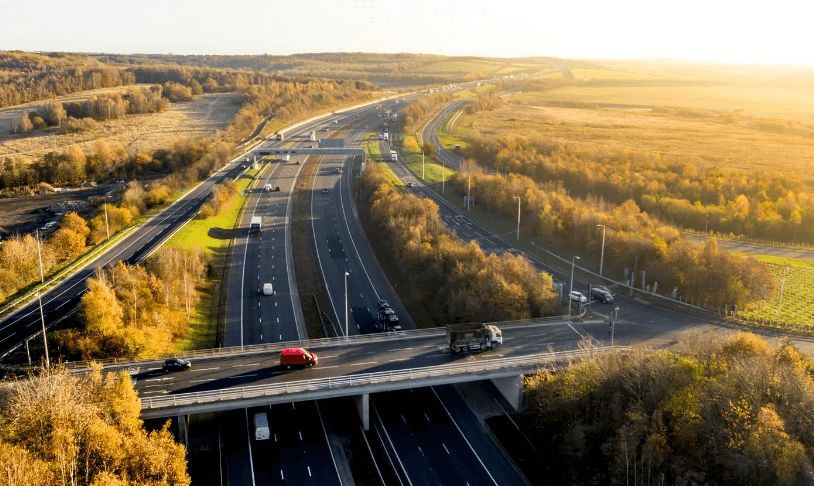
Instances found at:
x=176 y=364
x=392 y=324
x=601 y=294
x=382 y=304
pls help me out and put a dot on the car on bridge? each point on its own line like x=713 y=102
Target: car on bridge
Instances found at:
x=297 y=357
x=176 y=364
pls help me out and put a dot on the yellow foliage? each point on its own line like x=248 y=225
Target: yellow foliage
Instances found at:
x=745 y=344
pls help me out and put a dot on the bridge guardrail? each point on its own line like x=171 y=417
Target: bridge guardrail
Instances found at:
x=366 y=379
x=307 y=343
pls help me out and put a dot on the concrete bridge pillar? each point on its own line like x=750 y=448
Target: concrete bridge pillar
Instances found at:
x=512 y=389
x=183 y=430
x=363 y=407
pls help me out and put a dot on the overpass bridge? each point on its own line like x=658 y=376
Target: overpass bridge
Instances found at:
x=357 y=366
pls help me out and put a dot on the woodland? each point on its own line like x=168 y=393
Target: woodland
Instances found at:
x=456 y=281
x=731 y=411
x=60 y=427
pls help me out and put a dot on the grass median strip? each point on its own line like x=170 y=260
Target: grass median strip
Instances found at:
x=213 y=236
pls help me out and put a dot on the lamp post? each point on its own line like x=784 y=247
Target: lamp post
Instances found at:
x=706 y=227
x=422 y=164
x=571 y=288
x=107 y=227
x=518 y=216
x=39 y=253
x=468 y=190
x=443 y=173
x=780 y=303
x=613 y=322
x=602 y=255
x=44 y=339
x=346 y=304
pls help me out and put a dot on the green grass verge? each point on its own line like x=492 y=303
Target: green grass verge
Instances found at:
x=198 y=232
x=448 y=139
x=373 y=155
x=434 y=172
x=212 y=235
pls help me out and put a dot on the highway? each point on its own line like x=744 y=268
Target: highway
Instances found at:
x=251 y=317
x=341 y=247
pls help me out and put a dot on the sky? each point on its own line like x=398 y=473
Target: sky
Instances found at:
x=777 y=32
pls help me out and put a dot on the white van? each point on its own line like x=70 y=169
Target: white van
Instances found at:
x=261 y=427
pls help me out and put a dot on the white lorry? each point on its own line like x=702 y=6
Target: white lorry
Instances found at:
x=261 y=427
x=474 y=336
x=394 y=156
x=386 y=136
x=313 y=136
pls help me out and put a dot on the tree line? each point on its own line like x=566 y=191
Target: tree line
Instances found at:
x=139 y=310
x=733 y=411
x=67 y=115
x=287 y=101
x=193 y=161
x=67 y=428
x=386 y=68
x=417 y=111
x=456 y=281
x=777 y=206
x=703 y=273
x=27 y=76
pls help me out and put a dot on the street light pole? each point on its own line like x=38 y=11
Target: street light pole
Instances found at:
x=422 y=164
x=42 y=274
x=44 y=339
x=443 y=173
x=571 y=288
x=346 y=304
x=468 y=190
x=107 y=227
x=782 y=284
x=613 y=325
x=602 y=255
x=518 y=216
x=706 y=227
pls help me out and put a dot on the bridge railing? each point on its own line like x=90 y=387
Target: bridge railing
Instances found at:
x=309 y=343
x=357 y=380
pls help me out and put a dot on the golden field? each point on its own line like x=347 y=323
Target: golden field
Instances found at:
x=624 y=118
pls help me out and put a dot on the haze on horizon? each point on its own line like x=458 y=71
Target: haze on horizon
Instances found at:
x=694 y=30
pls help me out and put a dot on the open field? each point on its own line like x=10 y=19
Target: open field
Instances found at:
x=588 y=74
x=674 y=138
x=459 y=67
x=759 y=101
x=797 y=307
x=201 y=116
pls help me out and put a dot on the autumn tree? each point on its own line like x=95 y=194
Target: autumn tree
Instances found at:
x=83 y=429
x=22 y=124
